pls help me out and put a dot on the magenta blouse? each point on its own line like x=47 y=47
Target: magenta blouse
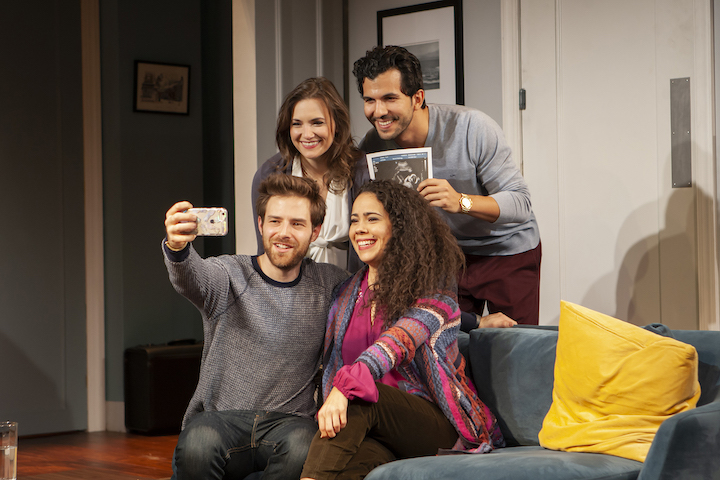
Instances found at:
x=353 y=379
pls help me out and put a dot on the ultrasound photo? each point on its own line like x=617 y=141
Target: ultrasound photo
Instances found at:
x=407 y=167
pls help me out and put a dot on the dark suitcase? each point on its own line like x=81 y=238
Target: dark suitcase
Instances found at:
x=159 y=382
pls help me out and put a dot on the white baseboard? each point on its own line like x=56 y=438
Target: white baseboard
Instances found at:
x=115 y=420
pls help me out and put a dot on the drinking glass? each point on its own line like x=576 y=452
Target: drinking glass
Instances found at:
x=8 y=450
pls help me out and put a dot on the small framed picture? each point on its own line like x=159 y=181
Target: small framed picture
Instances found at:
x=162 y=88
x=433 y=32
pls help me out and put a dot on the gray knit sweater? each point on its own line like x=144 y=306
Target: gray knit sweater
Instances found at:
x=263 y=339
x=469 y=151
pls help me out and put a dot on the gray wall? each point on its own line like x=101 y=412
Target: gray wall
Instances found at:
x=279 y=70
x=152 y=160
x=42 y=267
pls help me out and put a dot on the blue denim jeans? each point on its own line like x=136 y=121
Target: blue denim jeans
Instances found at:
x=233 y=444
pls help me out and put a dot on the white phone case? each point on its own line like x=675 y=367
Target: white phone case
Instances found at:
x=211 y=221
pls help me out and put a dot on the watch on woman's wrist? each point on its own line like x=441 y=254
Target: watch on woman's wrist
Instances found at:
x=466 y=203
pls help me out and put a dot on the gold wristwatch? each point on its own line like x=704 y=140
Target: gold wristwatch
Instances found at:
x=465 y=203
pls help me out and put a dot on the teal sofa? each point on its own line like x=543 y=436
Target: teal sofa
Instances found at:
x=513 y=371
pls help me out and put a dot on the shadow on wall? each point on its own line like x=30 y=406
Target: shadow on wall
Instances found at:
x=656 y=279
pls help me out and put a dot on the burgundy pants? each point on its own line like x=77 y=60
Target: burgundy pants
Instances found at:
x=508 y=284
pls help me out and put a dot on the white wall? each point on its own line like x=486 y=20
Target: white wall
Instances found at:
x=244 y=116
x=716 y=15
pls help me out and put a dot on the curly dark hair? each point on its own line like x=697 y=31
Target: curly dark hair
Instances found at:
x=421 y=256
x=343 y=153
x=381 y=59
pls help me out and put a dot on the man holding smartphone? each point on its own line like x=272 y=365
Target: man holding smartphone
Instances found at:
x=264 y=323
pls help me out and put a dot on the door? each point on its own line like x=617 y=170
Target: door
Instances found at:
x=597 y=141
x=42 y=268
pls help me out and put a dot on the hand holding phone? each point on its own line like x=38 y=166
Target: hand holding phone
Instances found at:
x=211 y=221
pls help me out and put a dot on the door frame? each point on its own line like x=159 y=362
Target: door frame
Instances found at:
x=94 y=260
x=703 y=146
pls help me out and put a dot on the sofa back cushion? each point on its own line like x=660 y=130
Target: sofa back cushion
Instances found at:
x=707 y=345
x=512 y=369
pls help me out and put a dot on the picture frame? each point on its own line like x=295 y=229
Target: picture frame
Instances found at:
x=161 y=88
x=433 y=32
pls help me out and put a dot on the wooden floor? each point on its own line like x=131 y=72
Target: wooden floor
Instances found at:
x=99 y=455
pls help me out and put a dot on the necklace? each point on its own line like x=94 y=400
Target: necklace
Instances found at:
x=368 y=300
x=306 y=174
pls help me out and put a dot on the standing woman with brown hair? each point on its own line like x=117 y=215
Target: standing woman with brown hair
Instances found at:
x=394 y=384
x=314 y=138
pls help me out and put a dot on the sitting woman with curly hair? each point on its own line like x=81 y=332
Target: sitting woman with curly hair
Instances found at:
x=394 y=382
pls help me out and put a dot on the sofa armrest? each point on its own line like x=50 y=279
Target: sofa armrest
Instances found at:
x=686 y=446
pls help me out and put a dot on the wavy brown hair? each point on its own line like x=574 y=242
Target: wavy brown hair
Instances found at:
x=422 y=255
x=342 y=154
x=281 y=185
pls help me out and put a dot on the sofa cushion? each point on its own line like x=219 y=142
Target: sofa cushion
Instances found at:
x=615 y=383
x=512 y=369
x=706 y=343
x=517 y=463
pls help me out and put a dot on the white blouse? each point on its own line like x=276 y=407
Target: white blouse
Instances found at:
x=335 y=228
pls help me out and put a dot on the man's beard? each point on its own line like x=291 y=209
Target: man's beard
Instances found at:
x=285 y=261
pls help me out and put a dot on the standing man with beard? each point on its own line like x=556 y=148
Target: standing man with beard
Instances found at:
x=264 y=324
x=478 y=187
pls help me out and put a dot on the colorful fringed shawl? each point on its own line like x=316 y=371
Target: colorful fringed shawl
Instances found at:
x=422 y=346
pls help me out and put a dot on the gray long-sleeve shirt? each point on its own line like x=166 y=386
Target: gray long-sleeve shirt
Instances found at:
x=469 y=151
x=263 y=339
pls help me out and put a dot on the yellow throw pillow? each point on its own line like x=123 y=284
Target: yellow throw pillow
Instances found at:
x=615 y=383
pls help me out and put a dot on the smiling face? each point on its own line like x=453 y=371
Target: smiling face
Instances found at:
x=370 y=229
x=387 y=107
x=311 y=129
x=286 y=232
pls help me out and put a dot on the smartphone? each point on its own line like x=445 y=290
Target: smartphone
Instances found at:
x=211 y=221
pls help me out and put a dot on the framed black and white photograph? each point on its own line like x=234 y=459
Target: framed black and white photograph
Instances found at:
x=433 y=33
x=162 y=88
x=406 y=166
